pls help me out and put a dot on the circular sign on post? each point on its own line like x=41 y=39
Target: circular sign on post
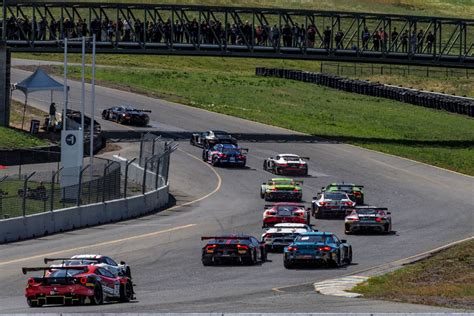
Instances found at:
x=70 y=139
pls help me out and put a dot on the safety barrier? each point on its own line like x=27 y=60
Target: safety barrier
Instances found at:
x=455 y=104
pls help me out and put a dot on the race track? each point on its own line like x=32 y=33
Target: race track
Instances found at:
x=430 y=208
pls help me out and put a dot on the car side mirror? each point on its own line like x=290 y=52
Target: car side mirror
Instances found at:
x=308 y=208
x=389 y=213
x=271 y=157
x=122 y=262
x=322 y=188
x=264 y=183
x=315 y=197
x=343 y=241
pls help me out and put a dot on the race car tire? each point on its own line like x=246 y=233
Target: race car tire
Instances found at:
x=288 y=264
x=207 y=262
x=349 y=257
x=263 y=253
x=305 y=173
x=318 y=214
x=126 y=292
x=262 y=195
x=347 y=230
x=104 y=115
x=128 y=272
x=335 y=263
x=308 y=219
x=204 y=155
x=215 y=161
x=98 y=297
x=387 y=229
x=120 y=120
x=31 y=303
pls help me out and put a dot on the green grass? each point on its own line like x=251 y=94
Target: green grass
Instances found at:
x=445 y=279
x=10 y=138
x=401 y=129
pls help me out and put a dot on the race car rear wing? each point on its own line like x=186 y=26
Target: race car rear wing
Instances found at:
x=46 y=260
x=33 y=269
x=267 y=206
x=305 y=158
x=362 y=207
x=225 y=237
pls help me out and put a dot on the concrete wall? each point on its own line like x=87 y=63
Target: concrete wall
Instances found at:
x=42 y=224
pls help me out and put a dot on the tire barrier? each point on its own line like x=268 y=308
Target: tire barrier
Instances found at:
x=439 y=101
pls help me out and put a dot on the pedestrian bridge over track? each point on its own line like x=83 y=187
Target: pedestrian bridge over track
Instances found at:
x=239 y=32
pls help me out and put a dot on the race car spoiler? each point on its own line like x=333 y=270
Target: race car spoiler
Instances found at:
x=368 y=207
x=26 y=270
x=46 y=260
x=225 y=237
x=267 y=206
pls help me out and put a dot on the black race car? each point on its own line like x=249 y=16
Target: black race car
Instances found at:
x=210 y=138
x=233 y=249
x=225 y=155
x=125 y=114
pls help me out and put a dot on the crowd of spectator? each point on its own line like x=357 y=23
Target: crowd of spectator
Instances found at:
x=215 y=32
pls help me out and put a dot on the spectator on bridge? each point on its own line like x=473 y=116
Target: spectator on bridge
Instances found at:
x=404 y=41
x=178 y=30
x=420 y=38
x=365 y=38
x=275 y=31
x=42 y=26
x=413 y=42
x=327 y=37
x=376 y=40
x=394 y=39
x=430 y=38
x=296 y=31
x=95 y=29
x=127 y=31
x=287 y=36
x=311 y=36
x=338 y=38
x=383 y=39
x=53 y=30
x=110 y=31
x=259 y=35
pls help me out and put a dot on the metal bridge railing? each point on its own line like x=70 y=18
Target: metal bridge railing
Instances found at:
x=182 y=29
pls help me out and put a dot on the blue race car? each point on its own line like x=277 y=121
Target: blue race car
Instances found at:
x=317 y=247
x=225 y=154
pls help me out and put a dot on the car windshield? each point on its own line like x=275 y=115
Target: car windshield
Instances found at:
x=282 y=182
x=234 y=151
x=222 y=135
x=286 y=210
x=291 y=158
x=335 y=196
x=65 y=273
x=369 y=212
x=311 y=238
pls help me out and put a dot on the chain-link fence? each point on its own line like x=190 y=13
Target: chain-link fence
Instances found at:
x=104 y=180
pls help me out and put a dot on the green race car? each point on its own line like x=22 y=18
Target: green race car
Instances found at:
x=354 y=190
x=282 y=189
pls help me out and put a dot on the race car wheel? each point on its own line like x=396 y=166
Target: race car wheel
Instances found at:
x=98 y=297
x=204 y=155
x=207 y=262
x=318 y=214
x=104 y=115
x=128 y=272
x=32 y=303
x=263 y=253
x=126 y=292
x=348 y=231
x=215 y=161
x=262 y=195
x=288 y=264
x=349 y=256
x=265 y=165
x=387 y=229
x=120 y=120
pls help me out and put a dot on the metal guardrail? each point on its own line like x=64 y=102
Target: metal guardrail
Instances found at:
x=460 y=105
x=240 y=32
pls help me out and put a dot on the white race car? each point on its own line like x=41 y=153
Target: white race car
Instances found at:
x=283 y=234
x=103 y=261
x=331 y=204
x=287 y=164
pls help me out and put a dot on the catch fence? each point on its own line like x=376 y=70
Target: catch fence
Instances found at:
x=104 y=180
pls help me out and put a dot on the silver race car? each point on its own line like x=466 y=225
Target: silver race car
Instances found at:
x=331 y=204
x=368 y=218
x=283 y=234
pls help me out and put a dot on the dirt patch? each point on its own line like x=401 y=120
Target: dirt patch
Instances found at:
x=109 y=147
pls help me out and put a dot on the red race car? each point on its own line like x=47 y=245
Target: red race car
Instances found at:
x=285 y=213
x=74 y=285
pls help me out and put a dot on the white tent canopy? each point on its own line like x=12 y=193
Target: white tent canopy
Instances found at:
x=38 y=81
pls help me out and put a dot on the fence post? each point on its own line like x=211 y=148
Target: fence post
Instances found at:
x=79 y=190
x=1 y=196
x=125 y=187
x=25 y=188
x=103 y=185
x=141 y=151
x=157 y=172
x=52 y=186
x=144 y=177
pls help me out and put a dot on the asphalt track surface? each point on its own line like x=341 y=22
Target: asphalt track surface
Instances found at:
x=430 y=207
